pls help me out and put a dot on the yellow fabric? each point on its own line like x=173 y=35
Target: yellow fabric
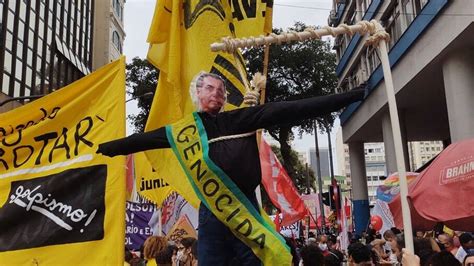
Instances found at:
x=220 y=194
x=151 y=262
x=76 y=119
x=180 y=38
x=147 y=181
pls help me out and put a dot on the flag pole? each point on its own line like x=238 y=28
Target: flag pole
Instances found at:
x=262 y=101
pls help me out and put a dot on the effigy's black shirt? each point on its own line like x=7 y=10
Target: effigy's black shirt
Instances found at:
x=238 y=157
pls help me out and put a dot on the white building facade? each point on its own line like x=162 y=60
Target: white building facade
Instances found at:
x=432 y=62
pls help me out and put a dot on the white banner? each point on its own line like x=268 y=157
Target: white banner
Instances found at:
x=381 y=209
x=175 y=206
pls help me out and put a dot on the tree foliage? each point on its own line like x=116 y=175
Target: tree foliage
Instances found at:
x=296 y=70
x=142 y=78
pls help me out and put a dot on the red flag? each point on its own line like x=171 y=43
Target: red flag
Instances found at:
x=280 y=188
x=277 y=221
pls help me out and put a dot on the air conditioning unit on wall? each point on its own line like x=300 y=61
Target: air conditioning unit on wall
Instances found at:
x=332 y=21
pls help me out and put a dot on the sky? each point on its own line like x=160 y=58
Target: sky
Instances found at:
x=138 y=15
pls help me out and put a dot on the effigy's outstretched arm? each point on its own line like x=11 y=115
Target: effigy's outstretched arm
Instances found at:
x=155 y=139
x=278 y=113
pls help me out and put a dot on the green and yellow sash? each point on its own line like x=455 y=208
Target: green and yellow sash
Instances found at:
x=219 y=193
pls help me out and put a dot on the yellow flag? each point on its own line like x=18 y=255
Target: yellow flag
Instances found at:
x=180 y=38
x=147 y=181
x=60 y=202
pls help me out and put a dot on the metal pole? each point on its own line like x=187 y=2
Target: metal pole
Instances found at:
x=331 y=165
x=160 y=226
x=397 y=139
x=320 y=181
x=31 y=97
x=337 y=200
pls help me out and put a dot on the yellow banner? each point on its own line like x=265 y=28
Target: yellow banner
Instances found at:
x=147 y=181
x=60 y=202
x=180 y=38
x=219 y=193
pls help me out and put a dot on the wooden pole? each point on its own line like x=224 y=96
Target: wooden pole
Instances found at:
x=397 y=139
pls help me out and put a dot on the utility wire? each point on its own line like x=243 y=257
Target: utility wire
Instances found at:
x=403 y=13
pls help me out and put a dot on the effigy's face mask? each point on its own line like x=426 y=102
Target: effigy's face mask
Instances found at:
x=211 y=95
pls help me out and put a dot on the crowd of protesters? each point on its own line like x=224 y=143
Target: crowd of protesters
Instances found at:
x=372 y=248
x=157 y=250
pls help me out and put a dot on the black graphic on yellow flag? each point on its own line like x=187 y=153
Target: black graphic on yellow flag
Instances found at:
x=60 y=203
x=180 y=36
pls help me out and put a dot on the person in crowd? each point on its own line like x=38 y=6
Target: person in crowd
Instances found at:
x=423 y=249
x=381 y=257
x=446 y=243
x=390 y=239
x=128 y=257
x=184 y=257
x=397 y=245
x=165 y=257
x=467 y=244
x=468 y=260
x=334 y=255
x=419 y=234
x=322 y=244
x=152 y=246
x=359 y=254
x=194 y=253
x=311 y=255
x=444 y=258
x=232 y=141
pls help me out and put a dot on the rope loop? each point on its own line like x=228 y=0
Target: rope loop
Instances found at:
x=237 y=136
x=330 y=30
x=313 y=32
x=347 y=28
x=229 y=45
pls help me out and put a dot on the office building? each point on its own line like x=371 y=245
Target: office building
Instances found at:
x=48 y=44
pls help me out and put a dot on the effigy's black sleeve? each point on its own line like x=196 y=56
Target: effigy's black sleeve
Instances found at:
x=278 y=113
x=155 y=139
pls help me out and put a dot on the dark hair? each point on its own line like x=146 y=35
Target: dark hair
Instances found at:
x=188 y=242
x=401 y=241
x=422 y=246
x=312 y=255
x=395 y=230
x=359 y=252
x=165 y=256
x=425 y=256
x=194 y=249
x=464 y=238
x=128 y=255
x=334 y=258
x=444 y=258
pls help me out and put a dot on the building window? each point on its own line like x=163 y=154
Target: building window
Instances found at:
x=393 y=24
x=117 y=8
x=116 y=41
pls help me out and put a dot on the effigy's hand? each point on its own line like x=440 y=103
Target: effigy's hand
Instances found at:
x=252 y=98
x=105 y=149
